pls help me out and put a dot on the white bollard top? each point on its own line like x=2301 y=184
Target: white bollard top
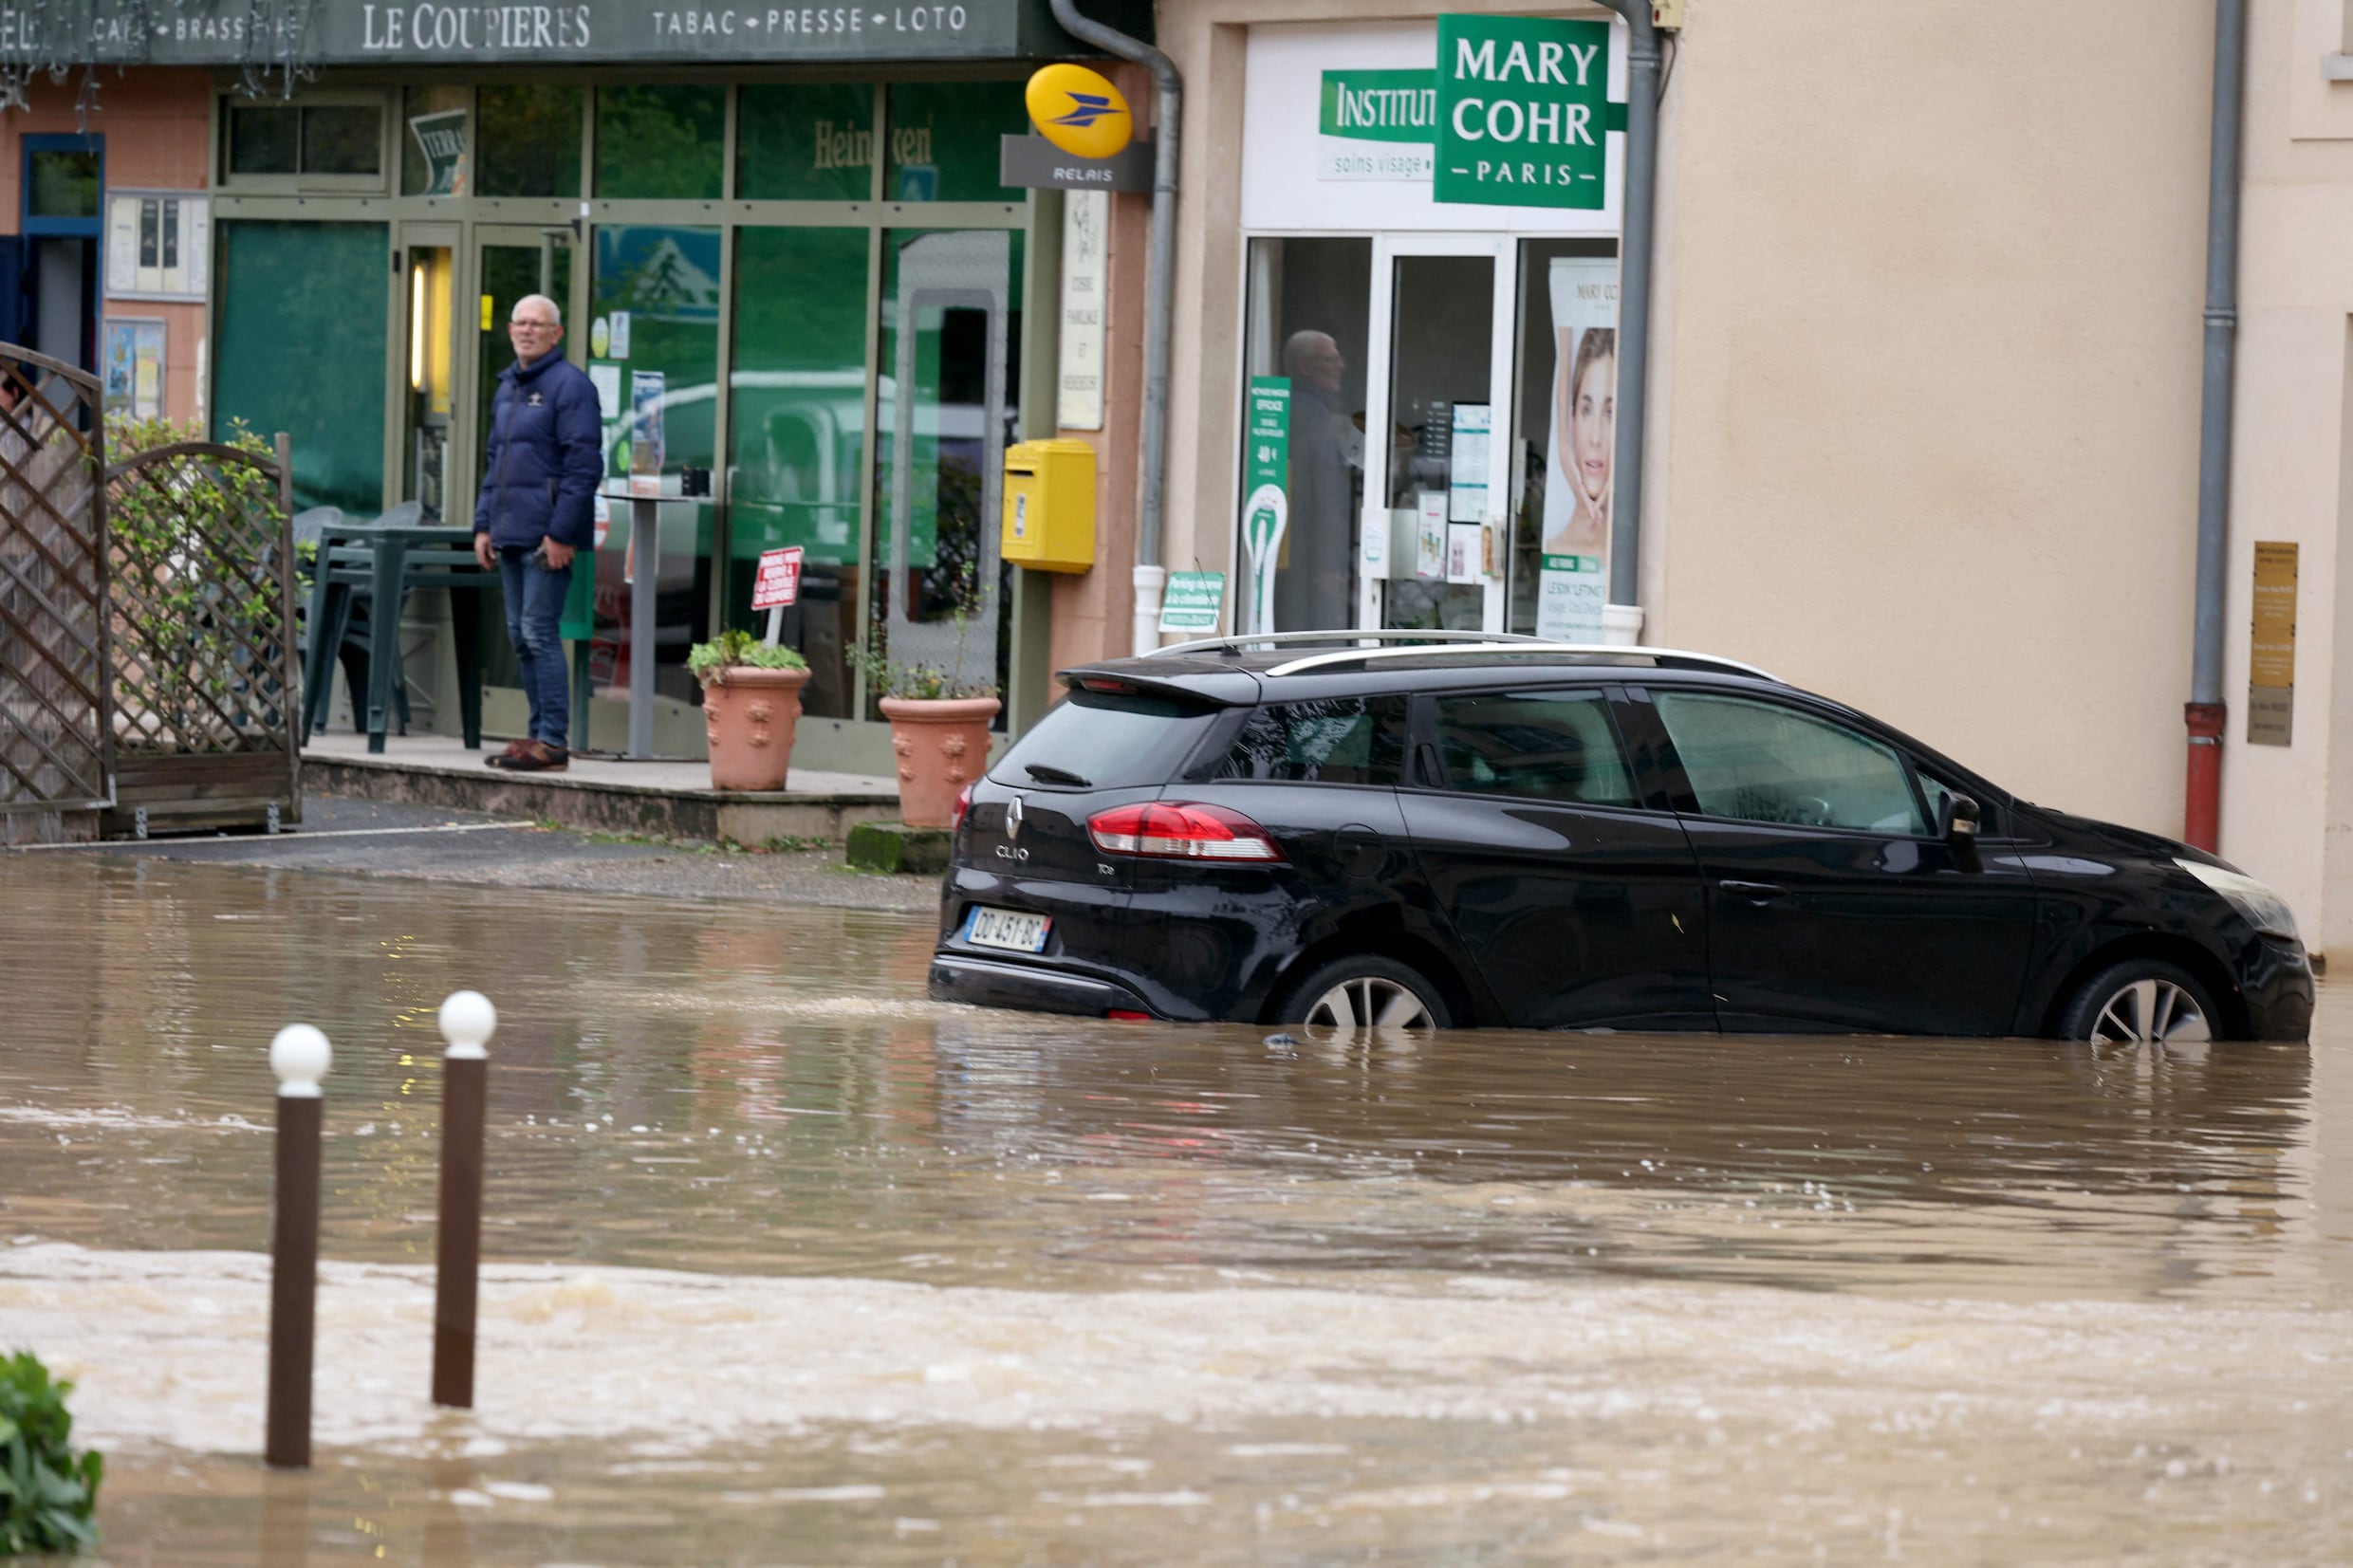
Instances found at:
x=300 y=1056
x=468 y=1021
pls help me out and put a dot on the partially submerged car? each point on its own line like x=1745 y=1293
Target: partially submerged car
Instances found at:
x=1491 y=831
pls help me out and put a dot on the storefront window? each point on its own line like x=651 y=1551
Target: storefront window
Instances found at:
x=798 y=389
x=342 y=139
x=1563 y=430
x=264 y=139
x=531 y=142
x=804 y=143
x=941 y=290
x=943 y=139
x=435 y=149
x=308 y=139
x=661 y=144
x=667 y=280
x=64 y=184
x=1309 y=302
x=308 y=295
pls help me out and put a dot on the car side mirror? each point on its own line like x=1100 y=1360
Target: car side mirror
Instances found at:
x=1956 y=820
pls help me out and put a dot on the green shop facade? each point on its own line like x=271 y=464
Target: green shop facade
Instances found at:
x=752 y=204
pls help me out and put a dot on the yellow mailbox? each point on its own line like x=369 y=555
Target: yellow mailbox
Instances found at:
x=1049 y=505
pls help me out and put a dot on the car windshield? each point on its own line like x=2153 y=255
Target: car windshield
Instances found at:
x=1105 y=740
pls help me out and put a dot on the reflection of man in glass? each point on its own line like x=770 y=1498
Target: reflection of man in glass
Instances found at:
x=1586 y=441
x=1313 y=584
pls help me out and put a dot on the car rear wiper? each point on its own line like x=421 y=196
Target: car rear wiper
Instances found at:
x=1048 y=773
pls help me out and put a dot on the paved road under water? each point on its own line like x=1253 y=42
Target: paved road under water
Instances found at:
x=791 y=1265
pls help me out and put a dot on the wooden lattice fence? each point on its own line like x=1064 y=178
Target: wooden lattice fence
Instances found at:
x=207 y=676
x=56 y=691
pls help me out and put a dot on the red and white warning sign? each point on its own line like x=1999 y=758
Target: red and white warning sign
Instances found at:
x=779 y=582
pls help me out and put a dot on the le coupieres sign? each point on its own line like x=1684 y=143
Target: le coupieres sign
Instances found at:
x=456 y=32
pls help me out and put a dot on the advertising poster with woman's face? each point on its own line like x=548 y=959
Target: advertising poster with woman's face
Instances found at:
x=1583 y=434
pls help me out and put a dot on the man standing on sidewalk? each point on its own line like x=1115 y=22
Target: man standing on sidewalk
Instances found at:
x=539 y=484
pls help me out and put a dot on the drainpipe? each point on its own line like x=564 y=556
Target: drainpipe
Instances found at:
x=1622 y=618
x=1160 y=290
x=2205 y=712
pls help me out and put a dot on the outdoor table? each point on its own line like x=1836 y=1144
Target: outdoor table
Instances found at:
x=389 y=560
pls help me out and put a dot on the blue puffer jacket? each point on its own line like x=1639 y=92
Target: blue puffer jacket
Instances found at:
x=546 y=456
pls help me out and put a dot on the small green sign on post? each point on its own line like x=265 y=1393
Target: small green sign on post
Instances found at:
x=1265 y=488
x=1192 y=600
x=1523 y=111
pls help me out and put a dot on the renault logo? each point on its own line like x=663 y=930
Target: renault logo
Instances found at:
x=1013 y=817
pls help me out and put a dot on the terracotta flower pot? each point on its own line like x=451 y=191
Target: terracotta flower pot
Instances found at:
x=942 y=745
x=750 y=718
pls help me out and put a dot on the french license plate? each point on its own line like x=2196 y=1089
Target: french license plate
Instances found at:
x=1007 y=929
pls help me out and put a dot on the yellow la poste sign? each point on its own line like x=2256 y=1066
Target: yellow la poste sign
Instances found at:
x=1079 y=111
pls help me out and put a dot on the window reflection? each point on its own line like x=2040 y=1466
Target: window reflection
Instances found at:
x=667 y=278
x=798 y=390
x=531 y=141
x=661 y=144
x=808 y=142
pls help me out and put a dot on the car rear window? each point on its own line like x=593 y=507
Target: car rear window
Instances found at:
x=1341 y=740
x=1106 y=739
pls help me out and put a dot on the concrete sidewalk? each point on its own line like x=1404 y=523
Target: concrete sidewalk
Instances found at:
x=670 y=800
x=436 y=843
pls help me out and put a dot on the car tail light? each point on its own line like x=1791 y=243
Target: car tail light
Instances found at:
x=1175 y=830
x=1129 y=1015
x=963 y=805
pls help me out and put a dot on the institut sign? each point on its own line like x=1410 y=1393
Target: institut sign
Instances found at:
x=460 y=32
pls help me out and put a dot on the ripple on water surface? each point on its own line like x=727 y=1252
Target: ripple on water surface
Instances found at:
x=790 y=1263
x=687 y=1086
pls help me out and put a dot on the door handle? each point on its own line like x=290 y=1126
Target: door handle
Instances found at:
x=1754 y=892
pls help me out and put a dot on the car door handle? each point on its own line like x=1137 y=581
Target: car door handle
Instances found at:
x=1756 y=892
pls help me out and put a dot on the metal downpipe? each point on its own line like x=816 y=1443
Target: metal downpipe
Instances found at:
x=1622 y=617
x=1159 y=302
x=2205 y=714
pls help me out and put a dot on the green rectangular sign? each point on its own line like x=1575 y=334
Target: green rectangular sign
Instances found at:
x=1381 y=105
x=1523 y=111
x=1192 y=601
x=1266 y=487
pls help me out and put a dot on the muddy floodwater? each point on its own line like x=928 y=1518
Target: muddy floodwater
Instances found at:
x=790 y=1265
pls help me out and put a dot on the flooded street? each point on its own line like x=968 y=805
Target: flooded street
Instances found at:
x=791 y=1265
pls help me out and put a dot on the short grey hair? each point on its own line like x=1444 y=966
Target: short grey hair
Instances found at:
x=554 y=310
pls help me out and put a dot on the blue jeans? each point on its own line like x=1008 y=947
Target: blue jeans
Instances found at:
x=535 y=597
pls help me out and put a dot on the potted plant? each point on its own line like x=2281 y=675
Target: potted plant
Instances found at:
x=751 y=700
x=939 y=723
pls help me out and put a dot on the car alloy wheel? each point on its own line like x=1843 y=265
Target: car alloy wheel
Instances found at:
x=1370 y=1001
x=2151 y=1010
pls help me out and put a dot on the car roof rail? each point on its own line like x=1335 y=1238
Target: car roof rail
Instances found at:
x=1283 y=639
x=1661 y=658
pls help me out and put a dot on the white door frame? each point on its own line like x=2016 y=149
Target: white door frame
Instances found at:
x=1387 y=247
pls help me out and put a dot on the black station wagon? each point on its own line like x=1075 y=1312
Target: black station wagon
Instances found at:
x=1493 y=831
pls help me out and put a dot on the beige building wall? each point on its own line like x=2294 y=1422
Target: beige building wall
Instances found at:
x=1924 y=390
x=1926 y=436
x=2288 y=812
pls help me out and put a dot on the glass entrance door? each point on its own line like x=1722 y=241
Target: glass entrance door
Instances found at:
x=1430 y=549
x=429 y=382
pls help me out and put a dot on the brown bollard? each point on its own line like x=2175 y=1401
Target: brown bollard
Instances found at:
x=467 y=1021
x=300 y=1056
